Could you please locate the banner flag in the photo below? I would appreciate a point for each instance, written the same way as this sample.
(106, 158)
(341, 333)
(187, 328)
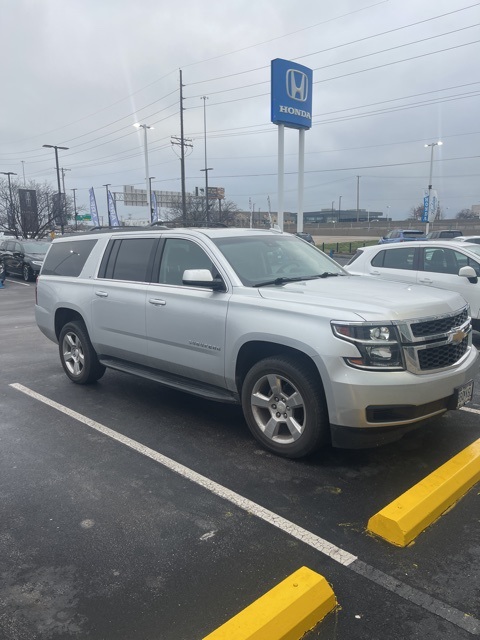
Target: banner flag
(93, 208)
(112, 211)
(154, 207)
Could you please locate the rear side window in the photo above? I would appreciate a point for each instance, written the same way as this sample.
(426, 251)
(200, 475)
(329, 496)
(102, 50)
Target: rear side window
(399, 258)
(128, 259)
(67, 258)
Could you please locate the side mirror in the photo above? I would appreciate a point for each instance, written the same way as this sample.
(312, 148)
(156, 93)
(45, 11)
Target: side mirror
(202, 278)
(470, 273)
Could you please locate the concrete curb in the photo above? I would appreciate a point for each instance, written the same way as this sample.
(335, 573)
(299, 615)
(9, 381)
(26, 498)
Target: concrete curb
(286, 612)
(402, 520)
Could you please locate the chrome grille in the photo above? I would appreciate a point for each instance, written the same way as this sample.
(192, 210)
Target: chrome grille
(443, 356)
(438, 325)
(436, 343)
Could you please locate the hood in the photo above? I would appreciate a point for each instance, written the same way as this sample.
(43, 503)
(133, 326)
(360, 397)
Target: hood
(367, 298)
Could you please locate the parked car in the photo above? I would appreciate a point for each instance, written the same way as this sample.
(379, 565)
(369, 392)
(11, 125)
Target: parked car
(444, 234)
(22, 257)
(305, 236)
(402, 235)
(446, 264)
(261, 318)
(474, 239)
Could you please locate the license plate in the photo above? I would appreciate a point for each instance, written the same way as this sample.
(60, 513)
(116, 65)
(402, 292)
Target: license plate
(464, 394)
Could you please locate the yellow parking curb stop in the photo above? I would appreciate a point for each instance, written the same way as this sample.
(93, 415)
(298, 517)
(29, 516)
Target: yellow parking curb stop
(402, 520)
(286, 612)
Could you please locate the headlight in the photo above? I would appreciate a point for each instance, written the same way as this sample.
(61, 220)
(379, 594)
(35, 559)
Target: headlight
(378, 345)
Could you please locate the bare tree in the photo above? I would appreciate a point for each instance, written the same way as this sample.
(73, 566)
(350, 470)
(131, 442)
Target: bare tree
(223, 211)
(465, 214)
(28, 226)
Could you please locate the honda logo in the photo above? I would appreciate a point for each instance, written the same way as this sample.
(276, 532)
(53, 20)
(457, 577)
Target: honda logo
(297, 85)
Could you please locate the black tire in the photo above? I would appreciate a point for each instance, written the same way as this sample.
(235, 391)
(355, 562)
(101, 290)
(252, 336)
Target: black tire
(284, 406)
(78, 357)
(27, 273)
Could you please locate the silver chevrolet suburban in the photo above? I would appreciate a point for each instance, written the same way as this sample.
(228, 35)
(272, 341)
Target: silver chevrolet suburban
(261, 318)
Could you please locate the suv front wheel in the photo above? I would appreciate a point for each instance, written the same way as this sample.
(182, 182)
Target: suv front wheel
(78, 357)
(284, 406)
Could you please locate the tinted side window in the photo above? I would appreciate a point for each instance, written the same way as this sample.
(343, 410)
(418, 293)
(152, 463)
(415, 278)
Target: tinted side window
(399, 258)
(129, 259)
(179, 255)
(378, 259)
(67, 258)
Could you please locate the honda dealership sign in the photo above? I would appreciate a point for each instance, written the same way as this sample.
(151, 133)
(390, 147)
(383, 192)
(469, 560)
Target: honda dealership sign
(291, 94)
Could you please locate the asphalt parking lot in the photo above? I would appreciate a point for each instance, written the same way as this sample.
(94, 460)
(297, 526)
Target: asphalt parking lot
(134, 512)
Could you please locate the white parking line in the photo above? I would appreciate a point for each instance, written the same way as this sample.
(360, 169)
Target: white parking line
(329, 549)
(455, 616)
(23, 284)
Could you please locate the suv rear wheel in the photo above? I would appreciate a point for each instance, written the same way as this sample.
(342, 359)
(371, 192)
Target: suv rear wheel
(78, 357)
(284, 406)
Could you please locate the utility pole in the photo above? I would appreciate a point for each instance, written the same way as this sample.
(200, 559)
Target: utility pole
(182, 142)
(10, 218)
(358, 197)
(75, 208)
(60, 202)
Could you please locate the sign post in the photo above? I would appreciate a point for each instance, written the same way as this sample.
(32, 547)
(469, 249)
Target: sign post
(291, 106)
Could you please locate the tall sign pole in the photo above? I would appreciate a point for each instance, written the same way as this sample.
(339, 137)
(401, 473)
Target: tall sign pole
(291, 107)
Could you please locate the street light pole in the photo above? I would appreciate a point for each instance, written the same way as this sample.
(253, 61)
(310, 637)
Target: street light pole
(147, 172)
(12, 217)
(207, 169)
(60, 203)
(432, 146)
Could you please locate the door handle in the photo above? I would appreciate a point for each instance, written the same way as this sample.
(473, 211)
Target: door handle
(158, 302)
(101, 294)
(425, 281)
(374, 273)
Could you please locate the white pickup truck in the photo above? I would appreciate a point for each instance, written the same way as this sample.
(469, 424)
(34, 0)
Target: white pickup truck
(313, 354)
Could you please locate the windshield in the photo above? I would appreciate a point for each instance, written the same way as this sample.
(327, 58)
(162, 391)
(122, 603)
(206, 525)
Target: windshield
(260, 259)
(36, 247)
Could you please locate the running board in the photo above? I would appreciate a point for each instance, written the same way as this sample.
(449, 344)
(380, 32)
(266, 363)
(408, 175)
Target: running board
(171, 380)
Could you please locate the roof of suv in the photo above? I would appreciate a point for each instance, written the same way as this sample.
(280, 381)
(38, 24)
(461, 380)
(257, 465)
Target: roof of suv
(211, 232)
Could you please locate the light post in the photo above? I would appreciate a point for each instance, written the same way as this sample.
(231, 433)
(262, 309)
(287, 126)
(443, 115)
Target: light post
(206, 169)
(10, 218)
(60, 203)
(145, 148)
(432, 146)
(108, 204)
(150, 196)
(75, 208)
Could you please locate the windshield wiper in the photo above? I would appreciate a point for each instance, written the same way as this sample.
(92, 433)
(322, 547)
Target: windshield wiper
(279, 281)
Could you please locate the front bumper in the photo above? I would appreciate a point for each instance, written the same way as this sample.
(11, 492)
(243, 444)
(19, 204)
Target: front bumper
(383, 405)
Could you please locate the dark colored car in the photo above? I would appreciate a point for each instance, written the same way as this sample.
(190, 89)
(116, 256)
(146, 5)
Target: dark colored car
(402, 235)
(444, 234)
(22, 257)
(305, 236)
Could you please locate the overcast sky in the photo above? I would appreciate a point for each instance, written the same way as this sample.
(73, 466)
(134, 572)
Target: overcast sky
(389, 77)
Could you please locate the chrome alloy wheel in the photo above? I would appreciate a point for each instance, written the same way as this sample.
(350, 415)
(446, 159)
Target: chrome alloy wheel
(72, 352)
(278, 409)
